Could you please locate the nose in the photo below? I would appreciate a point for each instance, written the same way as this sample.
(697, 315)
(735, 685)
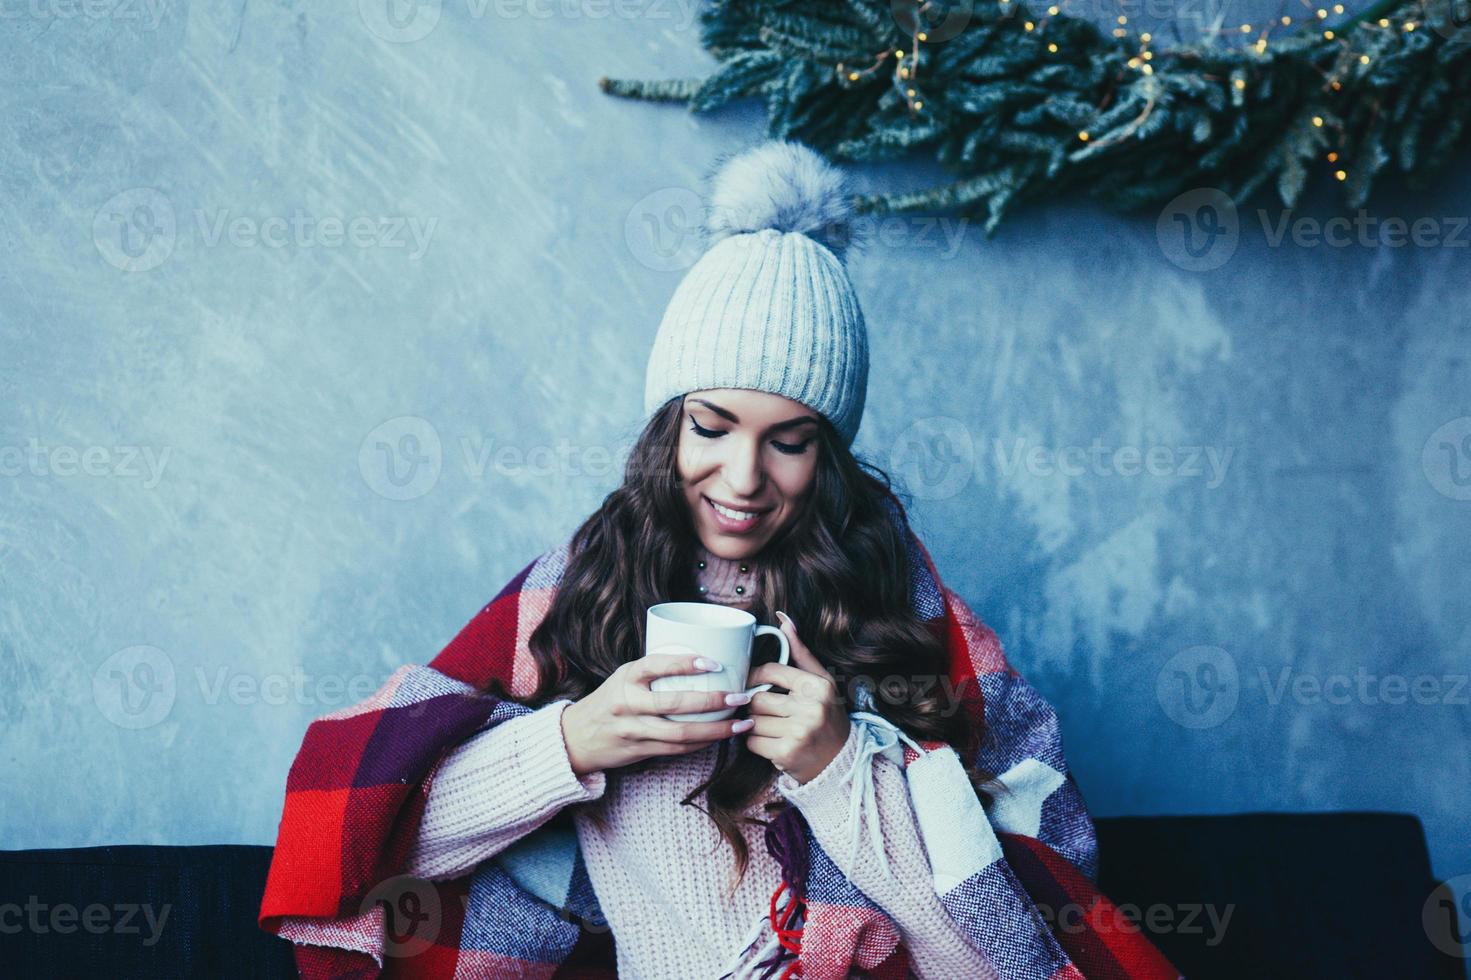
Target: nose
(743, 471)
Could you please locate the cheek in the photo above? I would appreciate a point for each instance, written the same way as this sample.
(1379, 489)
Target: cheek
(795, 475)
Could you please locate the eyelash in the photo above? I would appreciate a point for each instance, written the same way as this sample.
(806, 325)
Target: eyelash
(781, 447)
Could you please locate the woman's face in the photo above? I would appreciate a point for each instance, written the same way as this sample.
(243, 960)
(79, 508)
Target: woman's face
(748, 451)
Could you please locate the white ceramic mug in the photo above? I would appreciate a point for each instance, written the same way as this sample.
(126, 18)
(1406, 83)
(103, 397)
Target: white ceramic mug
(721, 633)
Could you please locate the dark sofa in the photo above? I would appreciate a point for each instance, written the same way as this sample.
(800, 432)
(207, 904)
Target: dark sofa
(1243, 896)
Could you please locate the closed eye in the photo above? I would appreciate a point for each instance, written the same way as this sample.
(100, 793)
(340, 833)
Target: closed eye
(783, 447)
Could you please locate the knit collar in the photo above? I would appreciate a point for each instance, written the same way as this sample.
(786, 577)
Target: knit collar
(729, 581)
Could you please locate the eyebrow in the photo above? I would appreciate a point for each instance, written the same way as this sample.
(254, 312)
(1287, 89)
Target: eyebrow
(731, 416)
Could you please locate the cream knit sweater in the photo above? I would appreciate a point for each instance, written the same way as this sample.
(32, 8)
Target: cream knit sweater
(660, 869)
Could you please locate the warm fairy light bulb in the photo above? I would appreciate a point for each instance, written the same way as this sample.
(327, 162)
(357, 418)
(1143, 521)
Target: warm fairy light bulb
(1363, 59)
(1286, 20)
(899, 54)
(1409, 25)
(1317, 120)
(1149, 69)
(1340, 175)
(922, 36)
(1241, 83)
(1119, 32)
(1123, 19)
(1383, 21)
(1333, 157)
(852, 76)
(1322, 14)
(1327, 35)
(1246, 28)
(1052, 11)
(1338, 8)
(1336, 84)
(903, 72)
(1147, 55)
(1133, 62)
(1052, 48)
(919, 105)
(1083, 136)
(1030, 26)
(1146, 37)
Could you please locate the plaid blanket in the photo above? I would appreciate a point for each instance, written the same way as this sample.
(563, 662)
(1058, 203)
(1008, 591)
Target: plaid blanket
(1017, 876)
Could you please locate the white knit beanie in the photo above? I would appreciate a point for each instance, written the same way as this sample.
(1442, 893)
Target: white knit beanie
(769, 306)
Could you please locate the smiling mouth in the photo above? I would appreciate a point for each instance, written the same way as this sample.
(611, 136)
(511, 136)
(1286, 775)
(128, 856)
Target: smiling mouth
(732, 519)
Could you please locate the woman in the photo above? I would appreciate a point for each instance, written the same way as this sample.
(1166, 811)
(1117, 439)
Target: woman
(740, 490)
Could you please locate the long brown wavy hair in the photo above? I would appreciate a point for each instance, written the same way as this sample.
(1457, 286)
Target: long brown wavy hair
(840, 569)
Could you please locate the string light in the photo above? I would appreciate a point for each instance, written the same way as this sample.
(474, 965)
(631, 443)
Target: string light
(1340, 175)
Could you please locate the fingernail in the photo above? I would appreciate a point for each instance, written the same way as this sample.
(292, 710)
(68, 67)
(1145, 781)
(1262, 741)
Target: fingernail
(705, 664)
(744, 725)
(784, 617)
(739, 697)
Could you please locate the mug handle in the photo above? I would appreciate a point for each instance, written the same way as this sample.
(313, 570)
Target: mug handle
(785, 658)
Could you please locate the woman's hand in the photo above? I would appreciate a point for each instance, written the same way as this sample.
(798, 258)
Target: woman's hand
(618, 724)
(800, 732)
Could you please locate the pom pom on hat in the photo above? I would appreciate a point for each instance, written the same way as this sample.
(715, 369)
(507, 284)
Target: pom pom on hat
(782, 185)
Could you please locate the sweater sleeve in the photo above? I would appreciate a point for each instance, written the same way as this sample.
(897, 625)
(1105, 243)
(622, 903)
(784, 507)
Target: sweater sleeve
(495, 788)
(937, 947)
